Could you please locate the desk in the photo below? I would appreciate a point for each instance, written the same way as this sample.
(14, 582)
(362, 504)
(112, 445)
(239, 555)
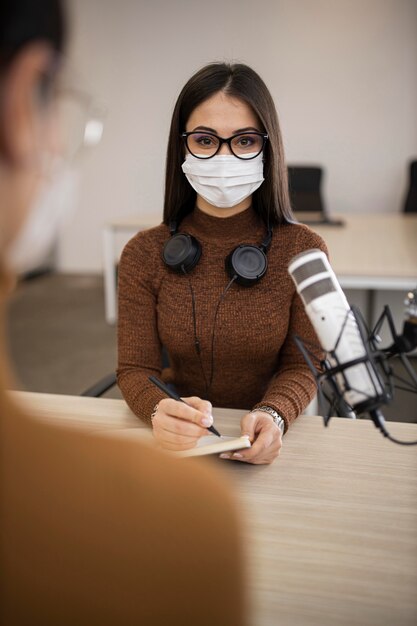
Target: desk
(371, 251)
(331, 526)
(128, 227)
(374, 251)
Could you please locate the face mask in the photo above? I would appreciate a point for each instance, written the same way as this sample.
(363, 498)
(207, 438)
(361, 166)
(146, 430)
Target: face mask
(54, 203)
(224, 180)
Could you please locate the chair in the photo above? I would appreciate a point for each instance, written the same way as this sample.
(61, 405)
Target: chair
(101, 386)
(305, 193)
(410, 205)
(108, 381)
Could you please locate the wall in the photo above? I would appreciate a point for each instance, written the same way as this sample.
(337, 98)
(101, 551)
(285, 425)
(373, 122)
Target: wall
(343, 74)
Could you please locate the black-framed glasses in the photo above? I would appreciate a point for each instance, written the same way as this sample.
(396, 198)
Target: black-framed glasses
(205, 145)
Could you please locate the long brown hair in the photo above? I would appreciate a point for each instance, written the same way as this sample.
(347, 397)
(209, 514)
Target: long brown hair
(271, 201)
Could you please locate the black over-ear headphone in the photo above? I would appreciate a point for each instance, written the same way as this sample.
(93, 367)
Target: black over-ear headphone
(246, 263)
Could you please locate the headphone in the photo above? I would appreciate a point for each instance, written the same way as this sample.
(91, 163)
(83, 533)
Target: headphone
(246, 264)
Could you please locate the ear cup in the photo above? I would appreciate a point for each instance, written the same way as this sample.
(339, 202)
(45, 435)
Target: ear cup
(181, 251)
(248, 263)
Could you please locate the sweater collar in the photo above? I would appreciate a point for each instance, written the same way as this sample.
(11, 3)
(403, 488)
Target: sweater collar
(242, 226)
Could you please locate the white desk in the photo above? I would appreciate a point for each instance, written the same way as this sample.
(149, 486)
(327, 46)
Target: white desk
(128, 227)
(331, 526)
(372, 251)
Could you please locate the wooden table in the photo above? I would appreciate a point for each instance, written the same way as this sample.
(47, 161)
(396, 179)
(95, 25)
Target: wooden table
(331, 526)
(371, 251)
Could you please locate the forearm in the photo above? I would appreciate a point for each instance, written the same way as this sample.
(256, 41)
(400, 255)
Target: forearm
(290, 392)
(140, 394)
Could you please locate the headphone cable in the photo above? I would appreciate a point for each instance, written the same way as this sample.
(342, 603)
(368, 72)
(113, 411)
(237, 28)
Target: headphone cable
(214, 330)
(196, 339)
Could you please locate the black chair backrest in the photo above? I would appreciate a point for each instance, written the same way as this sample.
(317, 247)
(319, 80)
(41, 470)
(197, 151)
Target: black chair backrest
(410, 204)
(305, 188)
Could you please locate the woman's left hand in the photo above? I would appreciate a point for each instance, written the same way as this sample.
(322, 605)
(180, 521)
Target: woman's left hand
(265, 436)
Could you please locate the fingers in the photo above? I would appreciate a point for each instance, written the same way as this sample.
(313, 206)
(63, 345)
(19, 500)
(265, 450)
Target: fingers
(177, 443)
(264, 449)
(178, 426)
(248, 424)
(204, 406)
(267, 440)
(196, 410)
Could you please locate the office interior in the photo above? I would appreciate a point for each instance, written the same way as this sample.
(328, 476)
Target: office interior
(343, 76)
(330, 526)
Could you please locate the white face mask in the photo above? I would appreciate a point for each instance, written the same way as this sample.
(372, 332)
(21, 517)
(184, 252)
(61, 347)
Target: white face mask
(51, 209)
(224, 180)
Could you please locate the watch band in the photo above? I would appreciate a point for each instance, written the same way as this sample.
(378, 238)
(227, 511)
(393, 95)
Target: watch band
(278, 420)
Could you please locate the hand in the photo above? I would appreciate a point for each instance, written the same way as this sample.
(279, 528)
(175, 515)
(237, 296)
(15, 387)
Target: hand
(177, 426)
(265, 436)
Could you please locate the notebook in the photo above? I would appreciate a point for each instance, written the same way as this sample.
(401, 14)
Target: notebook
(211, 444)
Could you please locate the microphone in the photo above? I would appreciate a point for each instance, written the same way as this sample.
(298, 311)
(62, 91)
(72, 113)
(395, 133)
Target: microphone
(356, 371)
(338, 331)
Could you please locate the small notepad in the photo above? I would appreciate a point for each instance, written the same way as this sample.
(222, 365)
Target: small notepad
(216, 445)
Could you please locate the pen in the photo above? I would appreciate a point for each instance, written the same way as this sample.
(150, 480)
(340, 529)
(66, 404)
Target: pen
(175, 396)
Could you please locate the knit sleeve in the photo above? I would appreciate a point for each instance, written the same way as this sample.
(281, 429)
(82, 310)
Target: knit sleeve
(293, 386)
(139, 347)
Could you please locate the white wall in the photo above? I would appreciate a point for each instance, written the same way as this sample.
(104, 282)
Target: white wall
(343, 74)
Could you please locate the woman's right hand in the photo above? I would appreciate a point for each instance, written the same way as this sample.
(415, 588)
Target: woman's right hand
(177, 426)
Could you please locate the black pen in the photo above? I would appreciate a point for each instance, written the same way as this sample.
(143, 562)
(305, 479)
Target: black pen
(175, 396)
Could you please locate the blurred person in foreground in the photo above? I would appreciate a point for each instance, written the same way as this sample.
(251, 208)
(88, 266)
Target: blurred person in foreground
(94, 529)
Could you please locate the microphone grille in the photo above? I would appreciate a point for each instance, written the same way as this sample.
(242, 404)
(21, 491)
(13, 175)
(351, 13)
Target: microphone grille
(308, 269)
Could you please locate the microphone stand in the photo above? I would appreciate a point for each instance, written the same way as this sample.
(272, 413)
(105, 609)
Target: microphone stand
(326, 374)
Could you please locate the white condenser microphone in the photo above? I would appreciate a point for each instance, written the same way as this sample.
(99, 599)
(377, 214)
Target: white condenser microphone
(338, 331)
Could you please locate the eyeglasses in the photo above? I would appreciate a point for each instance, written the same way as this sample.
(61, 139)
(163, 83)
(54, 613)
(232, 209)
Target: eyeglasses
(204, 145)
(77, 119)
(81, 121)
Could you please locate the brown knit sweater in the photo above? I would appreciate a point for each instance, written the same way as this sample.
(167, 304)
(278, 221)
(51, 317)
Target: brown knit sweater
(255, 360)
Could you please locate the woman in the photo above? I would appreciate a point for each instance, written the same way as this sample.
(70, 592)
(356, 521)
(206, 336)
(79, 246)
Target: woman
(226, 314)
(95, 529)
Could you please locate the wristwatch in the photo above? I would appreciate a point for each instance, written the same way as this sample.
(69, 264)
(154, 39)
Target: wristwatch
(278, 420)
